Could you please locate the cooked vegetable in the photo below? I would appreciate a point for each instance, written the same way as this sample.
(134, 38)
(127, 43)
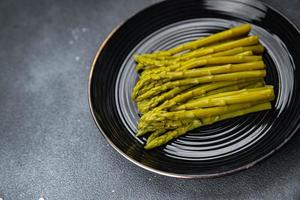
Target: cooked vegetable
(199, 83)
(241, 96)
(204, 79)
(224, 35)
(163, 139)
(153, 63)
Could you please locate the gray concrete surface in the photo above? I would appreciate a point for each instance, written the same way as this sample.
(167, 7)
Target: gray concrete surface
(49, 144)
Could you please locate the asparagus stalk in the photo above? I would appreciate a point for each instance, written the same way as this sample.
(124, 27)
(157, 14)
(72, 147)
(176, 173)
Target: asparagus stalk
(236, 51)
(168, 76)
(204, 79)
(152, 63)
(205, 71)
(250, 40)
(256, 49)
(196, 91)
(140, 85)
(153, 56)
(163, 139)
(153, 102)
(233, 90)
(193, 63)
(237, 92)
(146, 106)
(165, 125)
(145, 79)
(196, 113)
(154, 135)
(248, 85)
(228, 98)
(150, 86)
(221, 36)
(216, 61)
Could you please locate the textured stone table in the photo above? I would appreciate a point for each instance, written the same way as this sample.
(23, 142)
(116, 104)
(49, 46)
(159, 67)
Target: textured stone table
(49, 144)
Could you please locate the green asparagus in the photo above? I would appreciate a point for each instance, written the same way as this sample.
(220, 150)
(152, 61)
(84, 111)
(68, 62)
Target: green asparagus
(224, 35)
(163, 139)
(199, 83)
(241, 96)
(204, 79)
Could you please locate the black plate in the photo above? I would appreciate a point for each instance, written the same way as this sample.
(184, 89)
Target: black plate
(215, 150)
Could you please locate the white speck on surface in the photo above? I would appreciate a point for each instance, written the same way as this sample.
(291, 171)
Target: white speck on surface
(71, 42)
(113, 191)
(77, 58)
(149, 179)
(84, 30)
(1, 198)
(75, 37)
(41, 198)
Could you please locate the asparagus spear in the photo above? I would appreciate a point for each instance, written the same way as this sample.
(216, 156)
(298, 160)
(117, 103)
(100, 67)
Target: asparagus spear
(248, 85)
(149, 86)
(250, 40)
(204, 79)
(237, 92)
(144, 79)
(146, 106)
(221, 36)
(233, 90)
(228, 98)
(155, 134)
(196, 91)
(180, 66)
(146, 61)
(216, 61)
(142, 86)
(256, 49)
(163, 139)
(173, 57)
(236, 51)
(165, 125)
(205, 71)
(153, 56)
(196, 113)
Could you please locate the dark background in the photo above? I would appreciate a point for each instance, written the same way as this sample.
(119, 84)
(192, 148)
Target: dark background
(49, 144)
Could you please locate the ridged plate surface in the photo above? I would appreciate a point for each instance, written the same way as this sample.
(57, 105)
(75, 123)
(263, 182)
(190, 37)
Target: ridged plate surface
(214, 150)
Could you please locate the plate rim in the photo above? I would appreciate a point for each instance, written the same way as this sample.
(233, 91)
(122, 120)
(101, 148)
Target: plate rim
(161, 172)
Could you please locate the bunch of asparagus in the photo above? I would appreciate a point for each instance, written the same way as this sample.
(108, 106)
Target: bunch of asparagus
(199, 83)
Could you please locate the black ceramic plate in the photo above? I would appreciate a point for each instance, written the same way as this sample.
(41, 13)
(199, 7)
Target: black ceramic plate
(215, 150)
